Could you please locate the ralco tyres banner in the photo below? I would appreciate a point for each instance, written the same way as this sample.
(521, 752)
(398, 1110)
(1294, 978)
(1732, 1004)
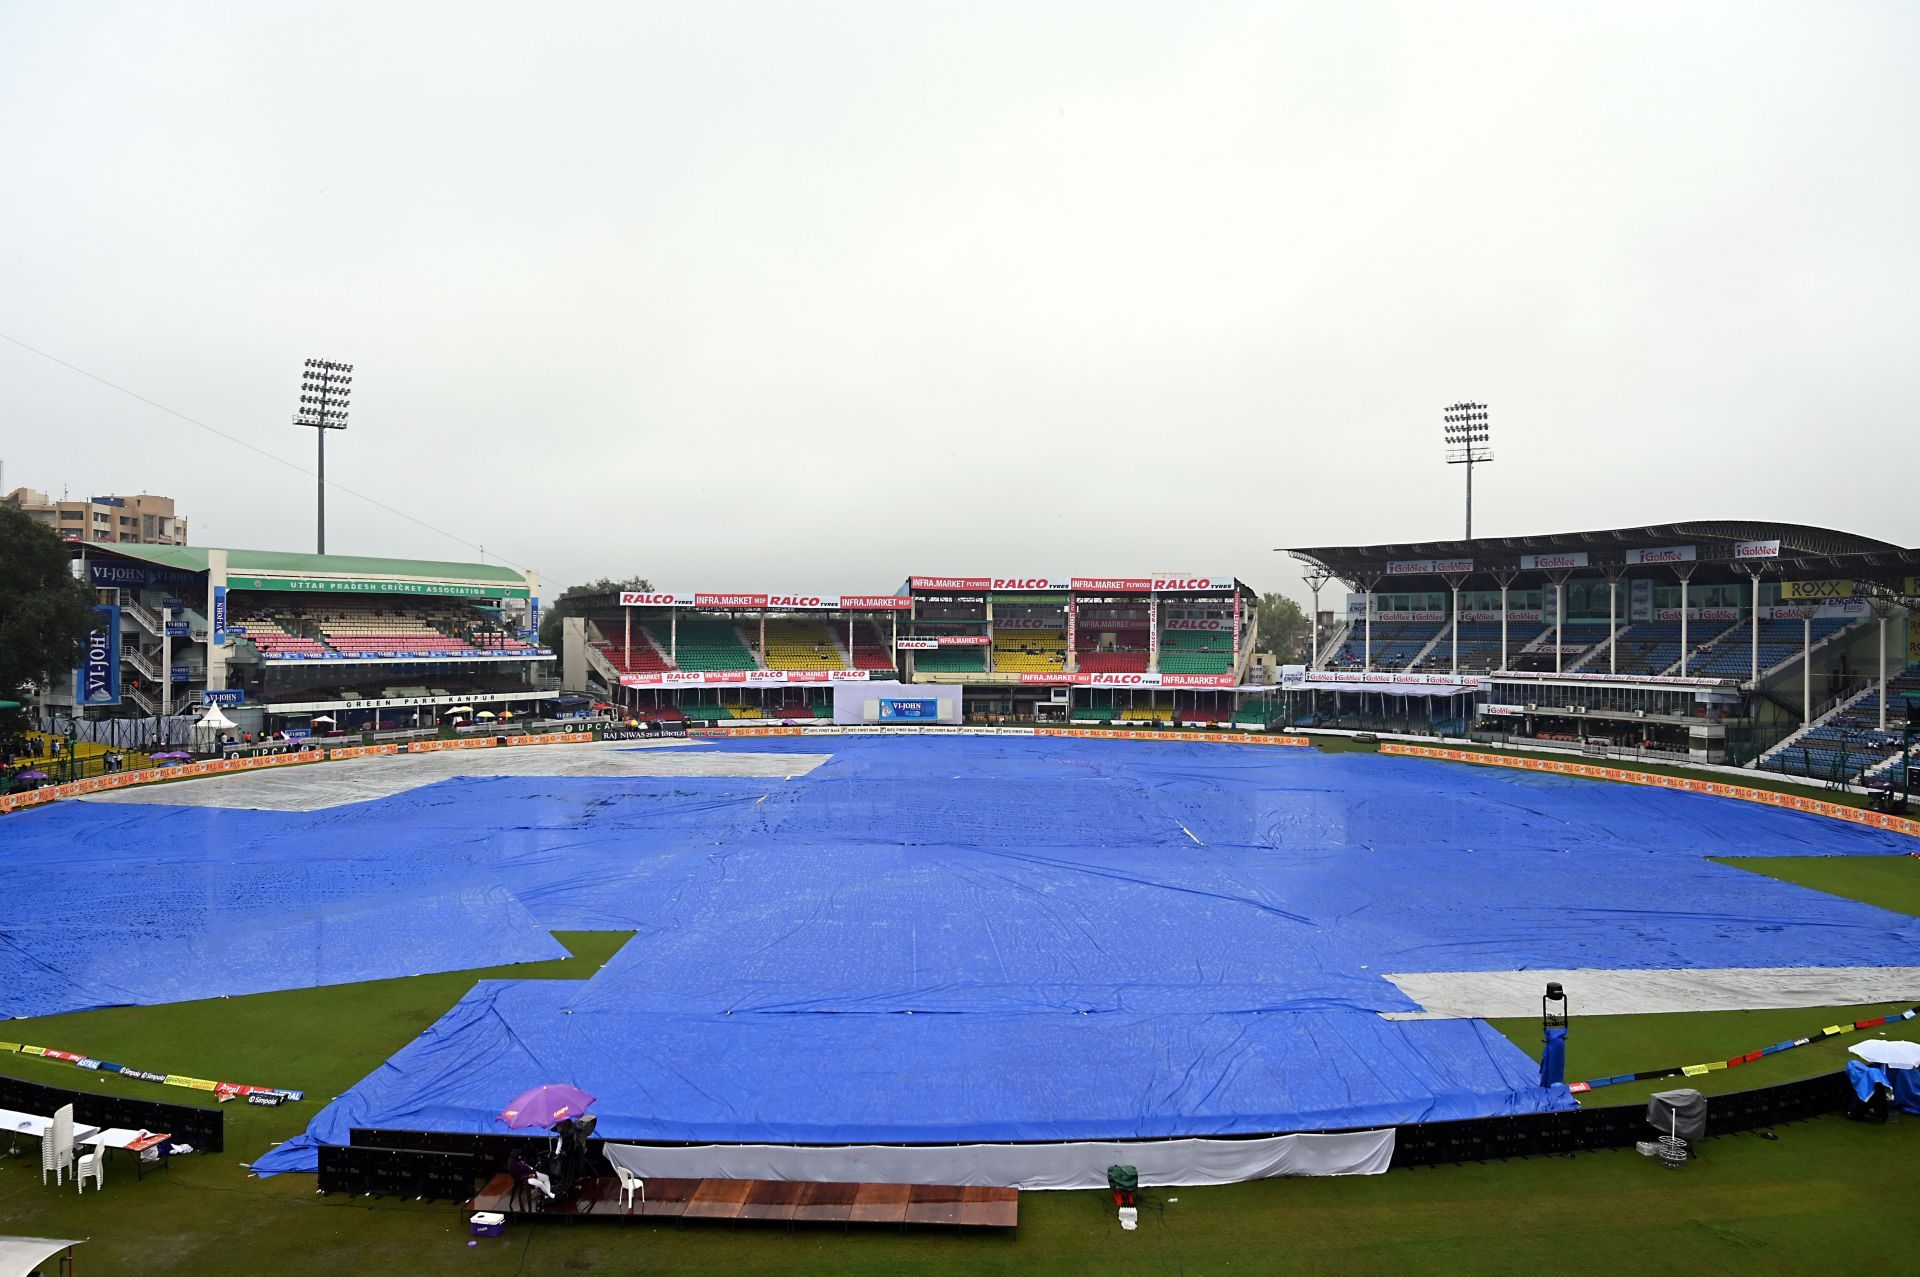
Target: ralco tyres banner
(1129, 680)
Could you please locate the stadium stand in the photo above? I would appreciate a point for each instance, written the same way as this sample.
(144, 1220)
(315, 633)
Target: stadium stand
(708, 644)
(273, 639)
(1404, 644)
(1480, 643)
(1578, 639)
(1258, 713)
(1395, 644)
(1850, 741)
(797, 644)
(1196, 652)
(648, 656)
(951, 660)
(382, 631)
(1648, 647)
(871, 650)
(1113, 662)
(1029, 651)
(1731, 654)
(1112, 649)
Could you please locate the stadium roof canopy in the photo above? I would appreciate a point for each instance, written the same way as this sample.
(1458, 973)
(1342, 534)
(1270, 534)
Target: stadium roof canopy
(193, 558)
(1712, 550)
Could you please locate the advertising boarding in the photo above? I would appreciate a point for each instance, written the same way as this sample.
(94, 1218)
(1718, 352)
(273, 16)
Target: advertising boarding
(97, 681)
(920, 709)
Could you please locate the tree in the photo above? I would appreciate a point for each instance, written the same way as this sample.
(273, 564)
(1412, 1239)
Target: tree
(44, 613)
(576, 600)
(1284, 628)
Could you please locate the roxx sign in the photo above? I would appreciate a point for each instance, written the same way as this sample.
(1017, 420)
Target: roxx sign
(1796, 590)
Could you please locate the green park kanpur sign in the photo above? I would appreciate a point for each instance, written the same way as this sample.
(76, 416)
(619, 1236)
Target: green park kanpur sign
(343, 585)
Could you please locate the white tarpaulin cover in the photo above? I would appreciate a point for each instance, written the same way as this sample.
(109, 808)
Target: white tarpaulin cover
(1895, 1055)
(1473, 995)
(20, 1256)
(1162, 1163)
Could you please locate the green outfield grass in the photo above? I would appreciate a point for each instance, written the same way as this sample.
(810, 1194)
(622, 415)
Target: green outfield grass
(1892, 882)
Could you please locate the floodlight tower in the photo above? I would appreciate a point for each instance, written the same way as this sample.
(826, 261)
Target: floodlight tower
(1468, 444)
(325, 387)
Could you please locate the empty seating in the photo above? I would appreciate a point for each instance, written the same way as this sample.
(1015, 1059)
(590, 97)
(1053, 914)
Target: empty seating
(1029, 651)
(1730, 654)
(871, 650)
(950, 660)
(1111, 648)
(1648, 647)
(1395, 645)
(800, 644)
(274, 640)
(1480, 644)
(1196, 652)
(709, 644)
(645, 656)
(373, 631)
(1112, 662)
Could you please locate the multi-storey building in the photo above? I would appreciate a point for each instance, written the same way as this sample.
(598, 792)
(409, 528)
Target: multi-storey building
(140, 519)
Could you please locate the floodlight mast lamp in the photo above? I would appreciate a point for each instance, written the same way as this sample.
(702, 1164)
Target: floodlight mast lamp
(1468, 444)
(325, 387)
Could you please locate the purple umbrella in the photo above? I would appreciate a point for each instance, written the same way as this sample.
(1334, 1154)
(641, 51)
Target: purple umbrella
(171, 754)
(35, 774)
(546, 1106)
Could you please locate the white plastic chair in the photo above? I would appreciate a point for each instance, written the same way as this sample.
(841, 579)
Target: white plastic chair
(49, 1158)
(94, 1163)
(628, 1183)
(56, 1147)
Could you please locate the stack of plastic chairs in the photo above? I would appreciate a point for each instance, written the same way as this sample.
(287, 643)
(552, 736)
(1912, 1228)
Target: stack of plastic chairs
(56, 1147)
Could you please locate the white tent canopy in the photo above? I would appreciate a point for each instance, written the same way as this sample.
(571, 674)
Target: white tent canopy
(1895, 1055)
(21, 1256)
(214, 720)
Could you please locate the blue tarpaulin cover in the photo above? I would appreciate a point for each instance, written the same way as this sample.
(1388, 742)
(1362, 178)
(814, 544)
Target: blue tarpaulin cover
(1866, 1078)
(947, 939)
(1003, 939)
(106, 905)
(1553, 1056)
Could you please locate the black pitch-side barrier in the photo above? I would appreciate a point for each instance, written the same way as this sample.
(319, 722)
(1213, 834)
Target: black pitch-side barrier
(445, 1166)
(202, 1128)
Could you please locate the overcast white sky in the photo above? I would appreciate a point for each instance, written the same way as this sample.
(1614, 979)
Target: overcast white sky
(810, 296)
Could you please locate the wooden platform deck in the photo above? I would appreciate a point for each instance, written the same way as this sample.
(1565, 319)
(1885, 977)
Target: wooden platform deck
(771, 1201)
